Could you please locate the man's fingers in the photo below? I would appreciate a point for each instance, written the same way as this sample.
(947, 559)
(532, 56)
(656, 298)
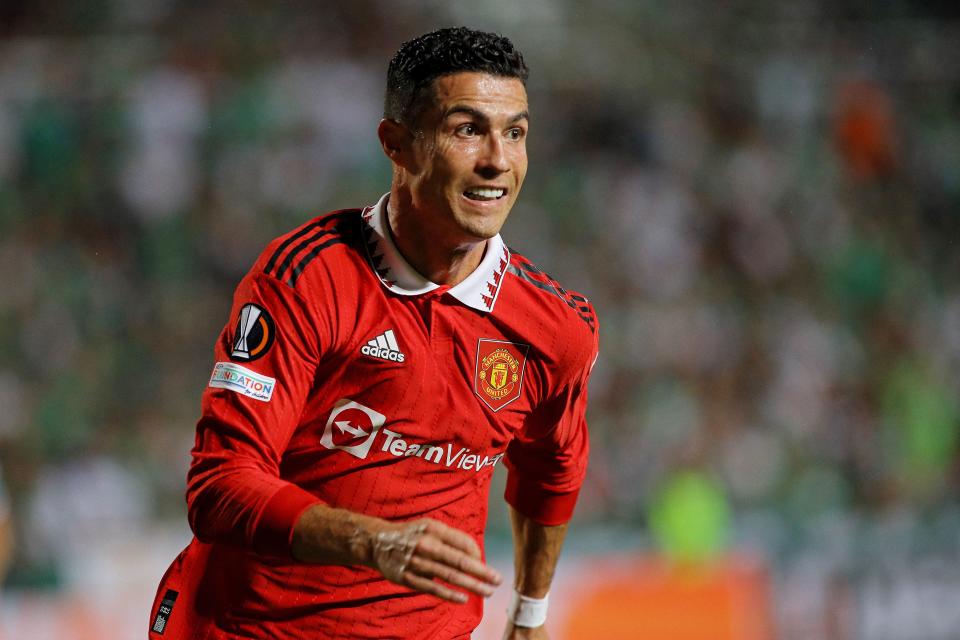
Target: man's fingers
(429, 568)
(434, 588)
(433, 549)
(454, 537)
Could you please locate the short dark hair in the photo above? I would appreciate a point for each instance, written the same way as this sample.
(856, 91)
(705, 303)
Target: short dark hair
(420, 61)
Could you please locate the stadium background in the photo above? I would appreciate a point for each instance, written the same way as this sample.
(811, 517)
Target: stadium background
(761, 199)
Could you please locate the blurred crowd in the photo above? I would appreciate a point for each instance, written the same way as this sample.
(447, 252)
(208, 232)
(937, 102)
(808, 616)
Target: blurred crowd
(761, 199)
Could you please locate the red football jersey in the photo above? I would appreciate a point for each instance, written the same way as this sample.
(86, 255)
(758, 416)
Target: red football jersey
(346, 378)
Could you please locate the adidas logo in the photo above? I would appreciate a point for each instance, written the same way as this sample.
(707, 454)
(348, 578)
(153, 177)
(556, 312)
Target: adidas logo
(384, 347)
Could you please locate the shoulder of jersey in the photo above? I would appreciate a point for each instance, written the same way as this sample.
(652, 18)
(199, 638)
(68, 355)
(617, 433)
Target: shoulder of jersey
(290, 255)
(540, 283)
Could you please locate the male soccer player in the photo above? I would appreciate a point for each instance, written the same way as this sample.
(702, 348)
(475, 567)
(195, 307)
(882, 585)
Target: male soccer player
(378, 364)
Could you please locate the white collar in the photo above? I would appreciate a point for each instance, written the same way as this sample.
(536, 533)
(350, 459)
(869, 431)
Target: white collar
(479, 290)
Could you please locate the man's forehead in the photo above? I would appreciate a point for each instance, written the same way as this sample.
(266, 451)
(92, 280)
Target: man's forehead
(498, 95)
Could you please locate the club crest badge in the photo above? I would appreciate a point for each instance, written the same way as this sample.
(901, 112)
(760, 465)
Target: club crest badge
(254, 333)
(499, 373)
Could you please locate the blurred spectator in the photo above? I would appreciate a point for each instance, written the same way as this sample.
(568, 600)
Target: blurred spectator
(6, 530)
(864, 130)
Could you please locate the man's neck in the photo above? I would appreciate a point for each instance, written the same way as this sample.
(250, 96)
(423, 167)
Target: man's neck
(439, 261)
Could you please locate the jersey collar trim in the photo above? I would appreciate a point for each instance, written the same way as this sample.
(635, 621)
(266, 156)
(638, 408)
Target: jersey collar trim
(479, 290)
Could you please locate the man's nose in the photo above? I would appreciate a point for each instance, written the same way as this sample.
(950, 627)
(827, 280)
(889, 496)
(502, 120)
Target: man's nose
(493, 161)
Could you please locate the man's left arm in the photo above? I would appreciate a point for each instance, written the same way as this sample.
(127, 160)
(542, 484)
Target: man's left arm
(536, 549)
(546, 465)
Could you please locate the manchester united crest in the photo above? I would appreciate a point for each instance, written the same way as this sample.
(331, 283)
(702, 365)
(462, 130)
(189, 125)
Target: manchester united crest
(499, 375)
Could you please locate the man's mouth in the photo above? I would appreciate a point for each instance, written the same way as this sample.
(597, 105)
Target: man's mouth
(484, 194)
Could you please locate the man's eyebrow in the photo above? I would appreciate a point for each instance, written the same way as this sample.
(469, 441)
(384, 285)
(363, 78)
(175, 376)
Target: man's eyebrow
(480, 115)
(523, 115)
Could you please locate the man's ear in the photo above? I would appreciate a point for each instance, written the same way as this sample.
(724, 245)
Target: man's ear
(395, 140)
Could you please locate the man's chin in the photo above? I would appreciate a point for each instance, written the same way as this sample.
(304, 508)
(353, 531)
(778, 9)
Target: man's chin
(481, 232)
(482, 226)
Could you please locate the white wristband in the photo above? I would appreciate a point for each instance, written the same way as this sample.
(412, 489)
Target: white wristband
(527, 612)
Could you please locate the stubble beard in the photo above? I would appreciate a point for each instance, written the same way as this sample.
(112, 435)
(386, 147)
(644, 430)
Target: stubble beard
(479, 228)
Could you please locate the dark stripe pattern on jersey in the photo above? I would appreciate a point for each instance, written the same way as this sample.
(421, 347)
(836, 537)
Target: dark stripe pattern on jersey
(336, 228)
(528, 272)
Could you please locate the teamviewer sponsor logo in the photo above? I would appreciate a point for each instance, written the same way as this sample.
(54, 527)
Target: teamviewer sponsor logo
(352, 427)
(384, 347)
(443, 454)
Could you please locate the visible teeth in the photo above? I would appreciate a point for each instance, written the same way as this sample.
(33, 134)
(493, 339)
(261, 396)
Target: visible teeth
(486, 193)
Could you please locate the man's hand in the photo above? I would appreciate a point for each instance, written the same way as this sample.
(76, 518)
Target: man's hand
(417, 554)
(424, 555)
(514, 632)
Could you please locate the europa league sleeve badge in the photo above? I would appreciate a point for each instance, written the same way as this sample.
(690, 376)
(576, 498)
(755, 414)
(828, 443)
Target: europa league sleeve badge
(254, 333)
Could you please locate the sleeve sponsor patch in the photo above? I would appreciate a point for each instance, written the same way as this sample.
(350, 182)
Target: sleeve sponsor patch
(227, 375)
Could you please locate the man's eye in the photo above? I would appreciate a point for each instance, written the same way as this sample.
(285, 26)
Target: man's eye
(515, 134)
(466, 130)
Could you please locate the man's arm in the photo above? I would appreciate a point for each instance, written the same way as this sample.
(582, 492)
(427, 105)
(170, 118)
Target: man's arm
(536, 549)
(414, 554)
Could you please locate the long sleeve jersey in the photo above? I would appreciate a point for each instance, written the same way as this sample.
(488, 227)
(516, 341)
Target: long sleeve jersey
(345, 378)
